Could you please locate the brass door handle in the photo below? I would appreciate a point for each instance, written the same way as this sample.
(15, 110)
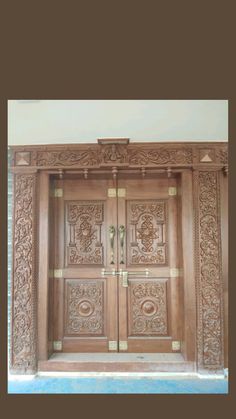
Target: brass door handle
(122, 237)
(112, 232)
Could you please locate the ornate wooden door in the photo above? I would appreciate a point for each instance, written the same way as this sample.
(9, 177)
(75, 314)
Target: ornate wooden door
(85, 312)
(116, 285)
(149, 295)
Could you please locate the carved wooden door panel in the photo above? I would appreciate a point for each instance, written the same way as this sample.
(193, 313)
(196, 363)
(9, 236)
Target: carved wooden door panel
(85, 309)
(149, 296)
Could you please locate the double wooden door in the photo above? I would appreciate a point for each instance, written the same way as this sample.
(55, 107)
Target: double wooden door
(116, 282)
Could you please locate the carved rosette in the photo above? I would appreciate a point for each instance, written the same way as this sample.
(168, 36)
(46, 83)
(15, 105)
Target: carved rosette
(24, 281)
(84, 230)
(209, 272)
(84, 308)
(147, 238)
(148, 308)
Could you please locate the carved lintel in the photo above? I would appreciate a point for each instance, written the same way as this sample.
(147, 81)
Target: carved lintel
(23, 348)
(118, 152)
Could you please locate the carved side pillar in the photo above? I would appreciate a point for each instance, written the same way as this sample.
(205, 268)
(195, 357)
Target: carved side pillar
(209, 284)
(23, 342)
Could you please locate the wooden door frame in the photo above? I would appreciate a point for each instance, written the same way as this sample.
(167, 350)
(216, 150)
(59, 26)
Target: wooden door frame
(202, 167)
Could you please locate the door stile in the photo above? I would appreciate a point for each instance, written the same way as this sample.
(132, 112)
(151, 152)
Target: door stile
(43, 274)
(175, 326)
(58, 265)
(122, 291)
(112, 294)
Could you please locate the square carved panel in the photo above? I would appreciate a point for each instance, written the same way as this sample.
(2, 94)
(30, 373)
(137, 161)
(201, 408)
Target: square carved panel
(148, 308)
(84, 307)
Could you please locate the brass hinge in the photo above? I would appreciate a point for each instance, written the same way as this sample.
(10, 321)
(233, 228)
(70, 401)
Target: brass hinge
(58, 192)
(112, 345)
(123, 345)
(172, 191)
(57, 345)
(175, 345)
(174, 272)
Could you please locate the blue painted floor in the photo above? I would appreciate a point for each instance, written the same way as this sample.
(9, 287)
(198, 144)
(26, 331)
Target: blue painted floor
(117, 385)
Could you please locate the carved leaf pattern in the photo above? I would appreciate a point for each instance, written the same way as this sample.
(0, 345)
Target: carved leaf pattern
(110, 154)
(85, 221)
(161, 156)
(85, 311)
(23, 328)
(148, 308)
(223, 156)
(89, 157)
(210, 271)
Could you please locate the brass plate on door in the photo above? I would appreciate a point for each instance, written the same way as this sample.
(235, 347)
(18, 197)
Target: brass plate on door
(112, 345)
(121, 192)
(123, 345)
(111, 192)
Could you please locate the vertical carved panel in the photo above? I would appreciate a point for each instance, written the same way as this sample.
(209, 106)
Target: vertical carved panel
(148, 309)
(84, 308)
(84, 231)
(209, 271)
(147, 232)
(24, 281)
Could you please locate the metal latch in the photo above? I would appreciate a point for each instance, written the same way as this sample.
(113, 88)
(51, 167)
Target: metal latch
(125, 279)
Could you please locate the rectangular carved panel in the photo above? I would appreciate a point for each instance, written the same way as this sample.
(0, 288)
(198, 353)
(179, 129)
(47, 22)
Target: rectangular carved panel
(84, 307)
(84, 223)
(147, 224)
(23, 349)
(209, 271)
(148, 308)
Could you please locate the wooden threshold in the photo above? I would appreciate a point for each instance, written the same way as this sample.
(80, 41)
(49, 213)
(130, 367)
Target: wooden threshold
(117, 362)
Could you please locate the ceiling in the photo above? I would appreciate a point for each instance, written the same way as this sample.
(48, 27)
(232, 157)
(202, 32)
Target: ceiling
(78, 121)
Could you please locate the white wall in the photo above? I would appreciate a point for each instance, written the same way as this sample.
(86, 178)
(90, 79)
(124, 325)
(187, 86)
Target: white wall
(76, 121)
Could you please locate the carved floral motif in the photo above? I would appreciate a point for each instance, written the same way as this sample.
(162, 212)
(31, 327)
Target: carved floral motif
(89, 157)
(85, 221)
(85, 311)
(223, 155)
(148, 308)
(210, 338)
(161, 156)
(147, 224)
(23, 304)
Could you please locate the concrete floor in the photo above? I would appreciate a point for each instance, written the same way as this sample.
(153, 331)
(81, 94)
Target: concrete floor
(118, 385)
